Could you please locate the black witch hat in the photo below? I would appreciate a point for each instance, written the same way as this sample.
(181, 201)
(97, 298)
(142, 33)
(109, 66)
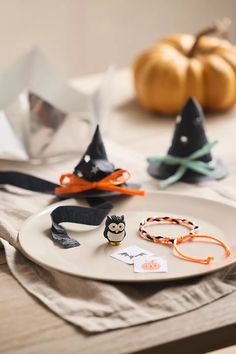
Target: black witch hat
(189, 137)
(94, 164)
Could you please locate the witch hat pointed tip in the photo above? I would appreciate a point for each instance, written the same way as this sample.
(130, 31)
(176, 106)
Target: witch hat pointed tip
(192, 108)
(97, 142)
(192, 100)
(95, 150)
(96, 132)
(97, 129)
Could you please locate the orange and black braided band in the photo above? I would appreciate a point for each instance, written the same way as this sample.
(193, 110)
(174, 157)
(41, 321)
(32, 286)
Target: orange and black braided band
(191, 226)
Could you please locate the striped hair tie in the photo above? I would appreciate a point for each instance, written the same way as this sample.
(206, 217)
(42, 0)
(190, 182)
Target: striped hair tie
(191, 226)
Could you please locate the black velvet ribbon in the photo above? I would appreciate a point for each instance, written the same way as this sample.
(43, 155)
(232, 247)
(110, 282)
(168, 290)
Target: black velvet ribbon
(26, 181)
(93, 215)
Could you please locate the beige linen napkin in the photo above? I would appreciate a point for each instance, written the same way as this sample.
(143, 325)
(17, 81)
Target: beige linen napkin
(97, 306)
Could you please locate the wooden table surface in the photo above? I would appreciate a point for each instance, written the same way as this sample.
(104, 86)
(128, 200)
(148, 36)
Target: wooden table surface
(28, 327)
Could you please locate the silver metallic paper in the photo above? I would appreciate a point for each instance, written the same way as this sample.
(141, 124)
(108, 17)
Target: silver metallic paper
(41, 116)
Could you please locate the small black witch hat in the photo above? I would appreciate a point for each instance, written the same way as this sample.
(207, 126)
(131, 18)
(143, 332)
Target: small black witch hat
(94, 164)
(189, 155)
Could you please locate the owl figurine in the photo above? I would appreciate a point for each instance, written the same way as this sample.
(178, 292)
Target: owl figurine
(115, 229)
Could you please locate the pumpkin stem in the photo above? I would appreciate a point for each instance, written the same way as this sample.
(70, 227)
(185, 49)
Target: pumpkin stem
(220, 27)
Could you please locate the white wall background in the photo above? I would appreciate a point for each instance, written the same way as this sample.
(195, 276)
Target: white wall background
(84, 36)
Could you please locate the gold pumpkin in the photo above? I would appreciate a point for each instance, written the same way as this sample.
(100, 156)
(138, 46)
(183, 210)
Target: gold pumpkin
(182, 65)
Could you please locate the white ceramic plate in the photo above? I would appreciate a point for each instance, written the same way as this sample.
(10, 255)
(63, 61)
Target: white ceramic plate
(92, 259)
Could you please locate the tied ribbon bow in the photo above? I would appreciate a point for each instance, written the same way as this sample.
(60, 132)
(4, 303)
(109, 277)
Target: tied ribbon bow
(74, 184)
(191, 162)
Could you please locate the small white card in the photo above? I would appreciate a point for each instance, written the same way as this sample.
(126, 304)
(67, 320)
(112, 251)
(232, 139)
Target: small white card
(150, 264)
(129, 254)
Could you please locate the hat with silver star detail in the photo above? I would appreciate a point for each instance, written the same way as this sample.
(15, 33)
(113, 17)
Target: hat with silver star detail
(94, 164)
(189, 137)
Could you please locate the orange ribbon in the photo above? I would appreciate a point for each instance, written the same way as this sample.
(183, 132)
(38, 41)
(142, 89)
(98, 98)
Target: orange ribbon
(74, 184)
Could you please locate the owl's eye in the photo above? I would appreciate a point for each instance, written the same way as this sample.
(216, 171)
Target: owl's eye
(121, 226)
(112, 226)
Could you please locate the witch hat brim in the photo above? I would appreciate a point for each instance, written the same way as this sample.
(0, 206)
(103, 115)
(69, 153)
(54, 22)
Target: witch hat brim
(162, 171)
(96, 193)
(189, 136)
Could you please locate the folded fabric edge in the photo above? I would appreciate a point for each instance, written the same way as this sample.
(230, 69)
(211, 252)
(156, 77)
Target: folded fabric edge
(216, 287)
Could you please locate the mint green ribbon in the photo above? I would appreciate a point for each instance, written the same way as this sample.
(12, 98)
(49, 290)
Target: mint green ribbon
(191, 162)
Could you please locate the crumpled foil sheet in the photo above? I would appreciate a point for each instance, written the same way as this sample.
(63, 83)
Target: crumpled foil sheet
(41, 116)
